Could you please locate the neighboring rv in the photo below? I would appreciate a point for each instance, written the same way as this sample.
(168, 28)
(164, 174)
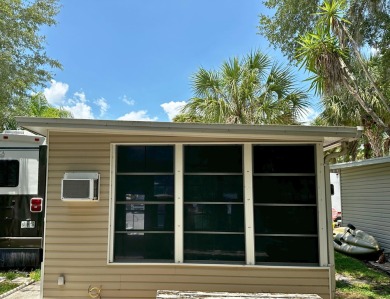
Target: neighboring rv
(22, 193)
(336, 199)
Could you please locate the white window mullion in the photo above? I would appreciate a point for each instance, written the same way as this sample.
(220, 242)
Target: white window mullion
(111, 234)
(248, 206)
(321, 207)
(179, 203)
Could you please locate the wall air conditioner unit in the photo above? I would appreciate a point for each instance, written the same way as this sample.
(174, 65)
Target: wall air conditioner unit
(80, 186)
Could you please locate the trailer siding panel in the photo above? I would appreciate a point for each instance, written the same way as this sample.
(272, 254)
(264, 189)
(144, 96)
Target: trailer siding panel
(365, 200)
(76, 243)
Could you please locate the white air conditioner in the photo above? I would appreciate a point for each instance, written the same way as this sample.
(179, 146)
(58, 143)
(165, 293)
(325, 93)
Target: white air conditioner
(80, 186)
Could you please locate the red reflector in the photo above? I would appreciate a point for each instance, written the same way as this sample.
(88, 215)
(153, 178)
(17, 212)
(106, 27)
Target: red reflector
(5, 137)
(36, 139)
(36, 201)
(36, 204)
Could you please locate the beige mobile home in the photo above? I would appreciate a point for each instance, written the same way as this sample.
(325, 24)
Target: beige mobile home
(136, 207)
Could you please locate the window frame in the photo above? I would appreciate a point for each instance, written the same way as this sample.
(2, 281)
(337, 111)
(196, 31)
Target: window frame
(281, 204)
(17, 168)
(216, 174)
(249, 232)
(145, 173)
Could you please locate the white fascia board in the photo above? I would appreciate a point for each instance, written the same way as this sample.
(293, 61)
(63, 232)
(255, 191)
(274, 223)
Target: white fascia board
(329, 135)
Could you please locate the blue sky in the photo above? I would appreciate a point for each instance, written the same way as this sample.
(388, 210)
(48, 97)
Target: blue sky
(133, 59)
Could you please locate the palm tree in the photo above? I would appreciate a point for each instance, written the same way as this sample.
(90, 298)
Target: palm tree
(331, 16)
(340, 109)
(34, 105)
(38, 106)
(325, 54)
(251, 90)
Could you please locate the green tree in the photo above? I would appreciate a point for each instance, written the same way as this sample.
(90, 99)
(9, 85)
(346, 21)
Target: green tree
(369, 23)
(38, 106)
(35, 105)
(24, 64)
(321, 54)
(352, 88)
(326, 54)
(252, 90)
(340, 109)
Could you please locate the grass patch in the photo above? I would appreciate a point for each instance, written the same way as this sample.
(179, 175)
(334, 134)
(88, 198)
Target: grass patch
(6, 286)
(362, 282)
(12, 274)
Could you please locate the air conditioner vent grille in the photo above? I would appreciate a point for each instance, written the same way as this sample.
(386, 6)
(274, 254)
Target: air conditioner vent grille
(80, 186)
(76, 188)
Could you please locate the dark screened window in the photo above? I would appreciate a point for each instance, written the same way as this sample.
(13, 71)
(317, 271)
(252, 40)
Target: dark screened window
(214, 217)
(283, 159)
(9, 173)
(214, 247)
(213, 204)
(143, 247)
(285, 204)
(284, 189)
(216, 188)
(286, 219)
(213, 159)
(144, 188)
(145, 159)
(286, 250)
(144, 209)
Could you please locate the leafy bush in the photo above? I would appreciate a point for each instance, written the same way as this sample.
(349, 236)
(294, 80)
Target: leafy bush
(35, 275)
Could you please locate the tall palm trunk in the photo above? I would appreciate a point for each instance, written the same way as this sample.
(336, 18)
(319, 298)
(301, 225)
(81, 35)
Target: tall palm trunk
(349, 81)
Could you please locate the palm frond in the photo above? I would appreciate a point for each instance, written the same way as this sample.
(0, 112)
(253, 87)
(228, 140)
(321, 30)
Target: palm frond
(259, 62)
(249, 90)
(205, 83)
(320, 54)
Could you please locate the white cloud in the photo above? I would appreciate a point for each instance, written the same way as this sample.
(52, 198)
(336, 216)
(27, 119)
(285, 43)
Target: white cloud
(102, 103)
(80, 110)
(137, 116)
(78, 106)
(172, 108)
(55, 94)
(81, 96)
(128, 101)
(308, 116)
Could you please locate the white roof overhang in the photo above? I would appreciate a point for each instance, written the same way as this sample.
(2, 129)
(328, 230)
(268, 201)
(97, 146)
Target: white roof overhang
(330, 136)
(373, 161)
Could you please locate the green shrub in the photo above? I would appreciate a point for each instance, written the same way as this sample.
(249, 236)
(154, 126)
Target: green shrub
(35, 275)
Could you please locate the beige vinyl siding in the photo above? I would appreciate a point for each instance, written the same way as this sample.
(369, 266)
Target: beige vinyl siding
(142, 281)
(365, 200)
(76, 242)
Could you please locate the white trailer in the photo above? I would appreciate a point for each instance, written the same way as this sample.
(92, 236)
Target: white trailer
(22, 193)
